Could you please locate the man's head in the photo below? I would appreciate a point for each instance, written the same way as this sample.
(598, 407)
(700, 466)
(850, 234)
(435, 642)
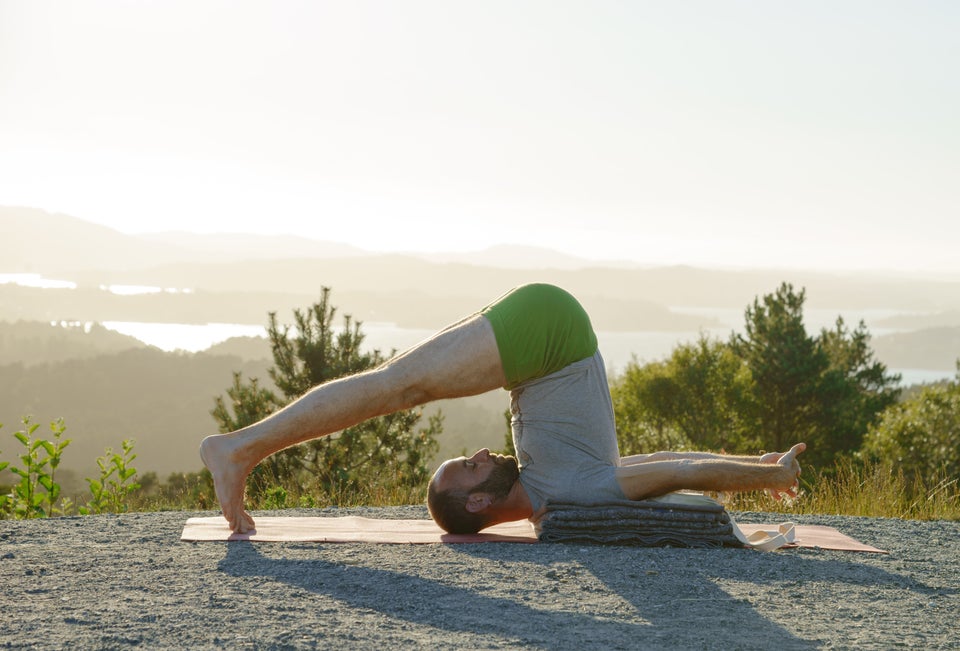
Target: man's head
(464, 492)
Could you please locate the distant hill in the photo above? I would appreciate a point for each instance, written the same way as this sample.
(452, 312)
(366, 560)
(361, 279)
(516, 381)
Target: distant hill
(947, 319)
(234, 278)
(513, 256)
(32, 342)
(231, 247)
(161, 400)
(37, 241)
(246, 348)
(72, 245)
(49, 243)
(930, 348)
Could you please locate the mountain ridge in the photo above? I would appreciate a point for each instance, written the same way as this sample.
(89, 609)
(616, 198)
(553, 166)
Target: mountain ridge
(395, 287)
(24, 225)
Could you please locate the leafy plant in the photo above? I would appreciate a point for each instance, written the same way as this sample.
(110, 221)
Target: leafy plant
(275, 498)
(920, 433)
(116, 482)
(36, 492)
(697, 399)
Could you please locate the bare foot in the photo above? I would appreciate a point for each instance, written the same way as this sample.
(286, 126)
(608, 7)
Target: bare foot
(229, 479)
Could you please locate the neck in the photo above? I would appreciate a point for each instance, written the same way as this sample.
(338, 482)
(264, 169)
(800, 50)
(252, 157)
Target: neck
(515, 506)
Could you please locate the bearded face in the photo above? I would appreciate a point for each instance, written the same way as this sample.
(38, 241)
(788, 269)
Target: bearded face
(504, 475)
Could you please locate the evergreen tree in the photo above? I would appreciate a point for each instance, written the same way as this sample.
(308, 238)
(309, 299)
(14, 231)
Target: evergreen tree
(823, 390)
(856, 387)
(768, 388)
(785, 366)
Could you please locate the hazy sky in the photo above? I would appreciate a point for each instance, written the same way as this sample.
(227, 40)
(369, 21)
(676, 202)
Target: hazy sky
(804, 134)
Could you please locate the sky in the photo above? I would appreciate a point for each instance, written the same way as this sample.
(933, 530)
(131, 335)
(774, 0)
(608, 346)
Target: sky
(816, 135)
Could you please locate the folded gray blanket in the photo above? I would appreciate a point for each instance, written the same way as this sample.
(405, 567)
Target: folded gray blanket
(678, 520)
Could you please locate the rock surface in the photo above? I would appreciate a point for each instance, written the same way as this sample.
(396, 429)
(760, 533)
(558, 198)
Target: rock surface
(117, 582)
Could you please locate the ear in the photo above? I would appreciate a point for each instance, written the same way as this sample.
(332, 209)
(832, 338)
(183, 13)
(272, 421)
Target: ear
(478, 502)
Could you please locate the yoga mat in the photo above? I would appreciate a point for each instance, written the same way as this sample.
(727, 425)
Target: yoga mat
(373, 530)
(351, 529)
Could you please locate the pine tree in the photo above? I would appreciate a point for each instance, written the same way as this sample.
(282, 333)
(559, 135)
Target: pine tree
(785, 365)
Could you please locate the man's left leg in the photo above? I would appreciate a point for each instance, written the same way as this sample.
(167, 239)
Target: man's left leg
(461, 360)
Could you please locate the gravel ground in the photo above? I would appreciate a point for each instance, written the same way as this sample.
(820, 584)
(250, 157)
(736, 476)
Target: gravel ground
(119, 582)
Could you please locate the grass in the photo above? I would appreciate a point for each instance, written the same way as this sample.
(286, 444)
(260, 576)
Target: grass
(876, 490)
(850, 488)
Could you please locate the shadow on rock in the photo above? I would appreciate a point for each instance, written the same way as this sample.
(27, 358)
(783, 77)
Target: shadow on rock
(428, 602)
(683, 606)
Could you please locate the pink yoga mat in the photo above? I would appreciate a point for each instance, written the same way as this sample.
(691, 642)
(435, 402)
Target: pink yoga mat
(372, 530)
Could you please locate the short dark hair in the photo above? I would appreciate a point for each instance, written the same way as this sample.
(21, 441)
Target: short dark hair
(449, 510)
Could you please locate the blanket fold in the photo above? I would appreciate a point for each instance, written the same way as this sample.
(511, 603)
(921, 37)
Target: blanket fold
(679, 520)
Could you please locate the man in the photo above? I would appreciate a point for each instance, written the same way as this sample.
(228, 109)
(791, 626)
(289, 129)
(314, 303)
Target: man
(536, 341)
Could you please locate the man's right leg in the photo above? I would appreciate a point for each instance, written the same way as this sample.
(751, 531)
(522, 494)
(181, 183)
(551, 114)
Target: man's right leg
(461, 360)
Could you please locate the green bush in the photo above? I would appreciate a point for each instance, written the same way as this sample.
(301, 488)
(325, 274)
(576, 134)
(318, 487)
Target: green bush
(36, 492)
(116, 482)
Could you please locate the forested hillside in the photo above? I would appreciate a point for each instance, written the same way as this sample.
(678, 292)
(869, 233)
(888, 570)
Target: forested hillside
(36, 342)
(109, 388)
(162, 400)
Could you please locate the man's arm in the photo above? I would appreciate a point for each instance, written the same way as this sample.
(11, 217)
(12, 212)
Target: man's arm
(655, 477)
(677, 456)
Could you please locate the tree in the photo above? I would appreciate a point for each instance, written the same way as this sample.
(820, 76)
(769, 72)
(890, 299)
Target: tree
(768, 388)
(824, 390)
(694, 399)
(385, 450)
(248, 403)
(714, 396)
(785, 366)
(643, 398)
(921, 434)
(856, 387)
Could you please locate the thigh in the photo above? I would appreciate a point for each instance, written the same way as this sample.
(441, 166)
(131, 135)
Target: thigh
(461, 360)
